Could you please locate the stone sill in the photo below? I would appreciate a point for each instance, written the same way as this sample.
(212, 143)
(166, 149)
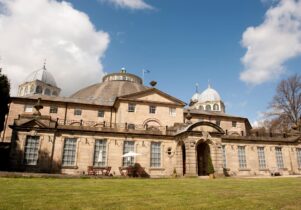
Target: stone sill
(244, 169)
(264, 169)
(69, 167)
(156, 169)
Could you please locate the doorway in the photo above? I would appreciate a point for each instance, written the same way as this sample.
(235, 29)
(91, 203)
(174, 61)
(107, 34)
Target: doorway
(184, 158)
(203, 153)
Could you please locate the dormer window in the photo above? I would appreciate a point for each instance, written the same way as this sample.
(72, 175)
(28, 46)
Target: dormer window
(208, 108)
(131, 107)
(152, 109)
(215, 107)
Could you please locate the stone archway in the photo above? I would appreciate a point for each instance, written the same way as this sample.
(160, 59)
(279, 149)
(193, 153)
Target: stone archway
(203, 153)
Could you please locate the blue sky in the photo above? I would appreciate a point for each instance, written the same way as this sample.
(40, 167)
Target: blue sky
(182, 43)
(244, 48)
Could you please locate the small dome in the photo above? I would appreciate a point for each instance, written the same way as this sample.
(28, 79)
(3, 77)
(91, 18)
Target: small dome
(209, 95)
(195, 97)
(42, 75)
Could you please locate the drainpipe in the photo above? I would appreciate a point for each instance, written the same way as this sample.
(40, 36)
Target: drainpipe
(65, 118)
(5, 123)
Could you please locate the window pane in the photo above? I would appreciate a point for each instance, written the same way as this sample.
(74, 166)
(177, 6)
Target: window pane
(53, 109)
(31, 150)
(261, 157)
(131, 107)
(155, 154)
(152, 109)
(101, 113)
(279, 158)
(242, 157)
(128, 147)
(69, 152)
(172, 112)
(100, 152)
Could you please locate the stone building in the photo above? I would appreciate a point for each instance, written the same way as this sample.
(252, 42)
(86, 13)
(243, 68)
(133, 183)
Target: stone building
(97, 125)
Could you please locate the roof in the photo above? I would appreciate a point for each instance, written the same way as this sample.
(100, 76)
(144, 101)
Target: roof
(42, 75)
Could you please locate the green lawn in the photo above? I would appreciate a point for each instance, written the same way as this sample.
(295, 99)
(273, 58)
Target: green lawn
(190, 193)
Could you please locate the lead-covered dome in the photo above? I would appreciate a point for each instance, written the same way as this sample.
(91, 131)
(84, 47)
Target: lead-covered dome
(42, 75)
(112, 86)
(209, 95)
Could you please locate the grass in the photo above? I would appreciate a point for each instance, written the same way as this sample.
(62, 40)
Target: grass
(189, 193)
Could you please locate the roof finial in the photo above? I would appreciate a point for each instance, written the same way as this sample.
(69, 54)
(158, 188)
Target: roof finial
(209, 86)
(44, 65)
(196, 87)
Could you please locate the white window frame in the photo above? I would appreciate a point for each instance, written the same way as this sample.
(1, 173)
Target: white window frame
(127, 147)
(242, 161)
(261, 158)
(152, 109)
(279, 157)
(100, 145)
(69, 152)
(31, 150)
(172, 111)
(131, 107)
(28, 108)
(155, 159)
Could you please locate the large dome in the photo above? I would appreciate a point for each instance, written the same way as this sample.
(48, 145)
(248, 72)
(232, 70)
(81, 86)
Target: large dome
(113, 85)
(42, 75)
(209, 95)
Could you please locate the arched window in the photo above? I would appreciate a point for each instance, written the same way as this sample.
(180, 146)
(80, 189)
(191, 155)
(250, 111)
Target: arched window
(47, 92)
(54, 93)
(215, 107)
(208, 108)
(201, 107)
(39, 89)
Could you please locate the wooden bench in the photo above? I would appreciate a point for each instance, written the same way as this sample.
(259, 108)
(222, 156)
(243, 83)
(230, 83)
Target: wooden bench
(96, 171)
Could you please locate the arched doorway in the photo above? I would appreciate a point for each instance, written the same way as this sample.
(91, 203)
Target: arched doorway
(203, 153)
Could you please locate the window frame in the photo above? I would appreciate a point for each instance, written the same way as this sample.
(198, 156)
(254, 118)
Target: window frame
(77, 112)
(97, 148)
(234, 124)
(279, 157)
(53, 109)
(242, 160)
(155, 155)
(172, 111)
(131, 107)
(261, 158)
(102, 115)
(128, 146)
(71, 158)
(152, 109)
(32, 152)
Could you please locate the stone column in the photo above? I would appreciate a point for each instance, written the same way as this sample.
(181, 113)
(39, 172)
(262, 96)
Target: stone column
(191, 162)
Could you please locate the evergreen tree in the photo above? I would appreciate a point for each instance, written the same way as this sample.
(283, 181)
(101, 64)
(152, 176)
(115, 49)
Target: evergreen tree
(4, 98)
(210, 168)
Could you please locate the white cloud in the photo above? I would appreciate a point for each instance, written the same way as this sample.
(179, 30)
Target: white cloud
(31, 32)
(131, 4)
(272, 43)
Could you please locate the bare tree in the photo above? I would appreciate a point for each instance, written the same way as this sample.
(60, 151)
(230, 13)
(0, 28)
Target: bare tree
(286, 104)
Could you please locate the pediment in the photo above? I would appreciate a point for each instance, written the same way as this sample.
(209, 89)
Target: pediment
(32, 123)
(153, 95)
(206, 127)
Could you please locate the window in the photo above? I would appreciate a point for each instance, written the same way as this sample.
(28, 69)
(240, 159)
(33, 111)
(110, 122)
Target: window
(77, 111)
(47, 92)
(155, 154)
(218, 122)
(69, 152)
(101, 113)
(208, 108)
(31, 150)
(172, 112)
(53, 109)
(261, 157)
(31, 88)
(242, 157)
(224, 156)
(28, 108)
(215, 107)
(299, 157)
(131, 107)
(152, 109)
(128, 147)
(100, 152)
(131, 126)
(201, 108)
(39, 89)
(234, 124)
(54, 93)
(279, 158)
